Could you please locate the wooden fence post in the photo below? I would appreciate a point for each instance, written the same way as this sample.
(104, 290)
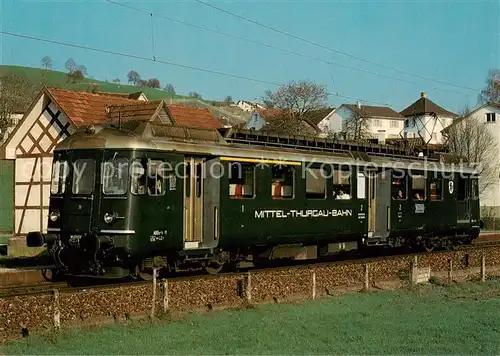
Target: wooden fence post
(414, 270)
(450, 271)
(367, 275)
(153, 304)
(249, 287)
(57, 311)
(314, 285)
(483, 268)
(165, 295)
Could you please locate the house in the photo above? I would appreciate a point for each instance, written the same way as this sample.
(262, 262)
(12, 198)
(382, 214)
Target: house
(382, 122)
(426, 120)
(26, 156)
(261, 119)
(136, 96)
(248, 106)
(489, 115)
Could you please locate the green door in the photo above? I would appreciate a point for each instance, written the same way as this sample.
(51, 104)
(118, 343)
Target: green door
(6, 196)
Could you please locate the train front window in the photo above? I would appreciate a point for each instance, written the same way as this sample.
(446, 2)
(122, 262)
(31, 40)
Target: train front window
(138, 178)
(115, 176)
(83, 176)
(60, 170)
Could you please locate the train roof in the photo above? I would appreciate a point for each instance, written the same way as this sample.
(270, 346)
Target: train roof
(231, 144)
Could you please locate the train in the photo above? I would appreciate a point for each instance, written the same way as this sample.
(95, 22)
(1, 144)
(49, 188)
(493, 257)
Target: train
(139, 198)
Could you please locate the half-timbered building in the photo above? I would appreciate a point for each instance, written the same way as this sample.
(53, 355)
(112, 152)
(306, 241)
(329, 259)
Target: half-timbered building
(54, 115)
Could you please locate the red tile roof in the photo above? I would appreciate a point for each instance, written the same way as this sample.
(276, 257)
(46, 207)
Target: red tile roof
(84, 108)
(193, 117)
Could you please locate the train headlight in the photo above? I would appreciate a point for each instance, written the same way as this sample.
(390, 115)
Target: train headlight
(54, 215)
(108, 218)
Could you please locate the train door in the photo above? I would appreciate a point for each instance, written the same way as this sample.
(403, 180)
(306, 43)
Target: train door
(193, 201)
(463, 199)
(379, 202)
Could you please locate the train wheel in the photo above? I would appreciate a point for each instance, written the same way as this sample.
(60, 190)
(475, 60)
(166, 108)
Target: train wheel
(51, 275)
(213, 268)
(429, 246)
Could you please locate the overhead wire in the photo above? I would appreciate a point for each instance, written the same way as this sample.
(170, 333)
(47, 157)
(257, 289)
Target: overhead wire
(156, 60)
(327, 62)
(332, 49)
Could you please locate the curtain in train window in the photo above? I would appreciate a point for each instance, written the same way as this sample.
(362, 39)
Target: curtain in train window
(115, 176)
(138, 177)
(283, 181)
(241, 180)
(156, 179)
(60, 171)
(436, 188)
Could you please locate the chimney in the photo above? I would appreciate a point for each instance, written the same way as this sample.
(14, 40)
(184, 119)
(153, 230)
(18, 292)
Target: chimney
(359, 104)
(423, 95)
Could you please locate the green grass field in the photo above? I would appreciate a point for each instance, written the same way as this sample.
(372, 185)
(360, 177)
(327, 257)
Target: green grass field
(425, 320)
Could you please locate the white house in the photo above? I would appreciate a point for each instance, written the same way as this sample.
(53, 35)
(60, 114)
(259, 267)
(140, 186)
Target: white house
(489, 115)
(383, 122)
(248, 106)
(426, 120)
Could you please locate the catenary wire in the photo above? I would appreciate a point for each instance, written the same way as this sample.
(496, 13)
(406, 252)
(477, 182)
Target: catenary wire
(327, 62)
(128, 55)
(331, 49)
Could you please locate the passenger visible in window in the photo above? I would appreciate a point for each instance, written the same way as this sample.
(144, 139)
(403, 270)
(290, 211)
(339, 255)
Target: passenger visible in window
(418, 196)
(155, 186)
(399, 195)
(139, 185)
(343, 195)
(276, 189)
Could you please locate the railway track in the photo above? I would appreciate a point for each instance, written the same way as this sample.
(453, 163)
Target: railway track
(44, 288)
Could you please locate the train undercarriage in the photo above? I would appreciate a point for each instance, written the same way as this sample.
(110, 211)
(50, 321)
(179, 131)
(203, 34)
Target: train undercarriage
(97, 257)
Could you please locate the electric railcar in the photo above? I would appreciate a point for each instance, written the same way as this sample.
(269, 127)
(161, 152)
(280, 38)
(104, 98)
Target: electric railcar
(142, 196)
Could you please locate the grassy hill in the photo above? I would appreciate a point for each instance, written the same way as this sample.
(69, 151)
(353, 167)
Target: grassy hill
(51, 78)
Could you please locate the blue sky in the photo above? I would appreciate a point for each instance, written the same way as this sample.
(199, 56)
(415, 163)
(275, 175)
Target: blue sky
(451, 41)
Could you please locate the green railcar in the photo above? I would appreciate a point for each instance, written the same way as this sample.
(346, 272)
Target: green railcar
(128, 200)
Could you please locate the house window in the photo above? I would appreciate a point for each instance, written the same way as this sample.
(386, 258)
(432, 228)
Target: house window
(315, 183)
(282, 181)
(491, 117)
(394, 124)
(241, 180)
(342, 183)
(376, 122)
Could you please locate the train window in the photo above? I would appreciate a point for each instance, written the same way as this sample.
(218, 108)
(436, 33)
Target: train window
(315, 183)
(436, 189)
(342, 183)
(199, 176)
(462, 189)
(156, 178)
(418, 187)
(475, 189)
(361, 186)
(241, 180)
(138, 178)
(83, 176)
(282, 181)
(60, 170)
(187, 180)
(115, 176)
(399, 190)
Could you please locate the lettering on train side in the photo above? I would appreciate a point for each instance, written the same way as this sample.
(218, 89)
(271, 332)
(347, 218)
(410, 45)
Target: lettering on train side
(313, 213)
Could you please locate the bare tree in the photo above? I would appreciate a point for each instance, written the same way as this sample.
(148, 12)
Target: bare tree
(492, 91)
(299, 98)
(133, 77)
(16, 94)
(169, 88)
(116, 80)
(70, 65)
(228, 99)
(75, 72)
(194, 94)
(469, 138)
(356, 127)
(291, 103)
(47, 62)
